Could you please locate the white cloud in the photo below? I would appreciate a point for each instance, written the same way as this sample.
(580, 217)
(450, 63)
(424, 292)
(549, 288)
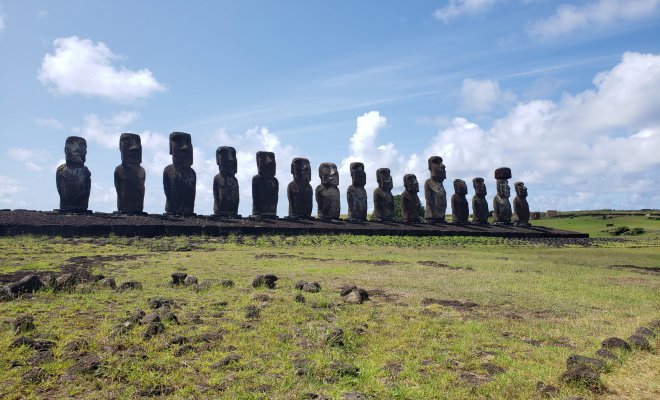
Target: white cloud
(596, 14)
(9, 186)
(80, 66)
(2, 20)
(50, 123)
(35, 160)
(483, 95)
(459, 8)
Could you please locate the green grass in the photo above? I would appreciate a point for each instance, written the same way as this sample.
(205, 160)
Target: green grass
(596, 226)
(537, 304)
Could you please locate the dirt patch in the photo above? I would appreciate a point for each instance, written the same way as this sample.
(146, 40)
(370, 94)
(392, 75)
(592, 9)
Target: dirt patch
(456, 304)
(273, 255)
(435, 264)
(383, 295)
(375, 262)
(635, 268)
(89, 261)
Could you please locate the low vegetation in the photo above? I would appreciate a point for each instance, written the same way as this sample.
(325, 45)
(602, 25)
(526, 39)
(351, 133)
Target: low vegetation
(445, 318)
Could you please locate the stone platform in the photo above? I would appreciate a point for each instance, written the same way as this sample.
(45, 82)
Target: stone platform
(21, 222)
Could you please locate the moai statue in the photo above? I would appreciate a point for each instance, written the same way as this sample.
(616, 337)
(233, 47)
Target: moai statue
(520, 205)
(501, 204)
(327, 193)
(73, 179)
(410, 200)
(265, 187)
(383, 199)
(179, 179)
(434, 192)
(129, 175)
(459, 204)
(479, 202)
(225, 184)
(356, 195)
(300, 192)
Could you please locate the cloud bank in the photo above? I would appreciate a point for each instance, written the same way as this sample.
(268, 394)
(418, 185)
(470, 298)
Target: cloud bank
(458, 8)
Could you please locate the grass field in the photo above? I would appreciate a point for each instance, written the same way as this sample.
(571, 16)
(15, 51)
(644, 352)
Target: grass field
(448, 318)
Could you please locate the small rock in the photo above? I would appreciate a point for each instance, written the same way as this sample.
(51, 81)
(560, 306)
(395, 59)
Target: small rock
(29, 284)
(493, 369)
(230, 359)
(346, 289)
(136, 316)
(190, 280)
(65, 282)
(37, 344)
(196, 319)
(179, 340)
(655, 324)
(300, 284)
(546, 391)
(167, 315)
(606, 354)
(153, 329)
(149, 318)
(40, 357)
(265, 280)
(335, 337)
(345, 369)
(639, 342)
(583, 374)
(644, 331)
(252, 312)
(158, 302)
(311, 287)
(300, 298)
(227, 283)
(75, 345)
(261, 297)
(108, 283)
(574, 360)
(615, 343)
(356, 296)
(130, 285)
(23, 323)
(35, 375)
(178, 278)
(86, 365)
(210, 337)
(183, 350)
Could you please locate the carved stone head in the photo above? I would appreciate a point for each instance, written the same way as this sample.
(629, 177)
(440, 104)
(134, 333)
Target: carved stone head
(130, 146)
(266, 163)
(460, 188)
(521, 189)
(437, 168)
(328, 174)
(503, 189)
(301, 170)
(384, 178)
(410, 183)
(358, 174)
(225, 157)
(75, 150)
(181, 149)
(479, 187)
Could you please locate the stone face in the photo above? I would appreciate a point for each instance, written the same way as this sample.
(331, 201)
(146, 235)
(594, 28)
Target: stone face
(265, 187)
(479, 203)
(434, 191)
(179, 179)
(501, 206)
(520, 205)
(129, 175)
(300, 192)
(410, 200)
(356, 195)
(459, 204)
(383, 199)
(225, 185)
(327, 193)
(73, 179)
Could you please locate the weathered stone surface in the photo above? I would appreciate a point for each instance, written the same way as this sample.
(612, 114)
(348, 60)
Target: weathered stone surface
(606, 354)
(129, 175)
(615, 343)
(179, 179)
(225, 185)
(310, 287)
(327, 193)
(40, 357)
(459, 204)
(353, 294)
(356, 195)
(73, 179)
(35, 375)
(574, 360)
(299, 298)
(520, 205)
(479, 203)
(383, 198)
(153, 328)
(252, 312)
(583, 374)
(149, 318)
(265, 187)
(300, 192)
(434, 191)
(28, 284)
(410, 200)
(108, 283)
(178, 278)
(36, 344)
(88, 364)
(546, 391)
(190, 280)
(501, 205)
(23, 323)
(229, 360)
(130, 285)
(503, 173)
(158, 302)
(265, 280)
(644, 331)
(639, 342)
(335, 337)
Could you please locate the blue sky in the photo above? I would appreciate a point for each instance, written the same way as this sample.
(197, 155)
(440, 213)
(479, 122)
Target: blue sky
(565, 93)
